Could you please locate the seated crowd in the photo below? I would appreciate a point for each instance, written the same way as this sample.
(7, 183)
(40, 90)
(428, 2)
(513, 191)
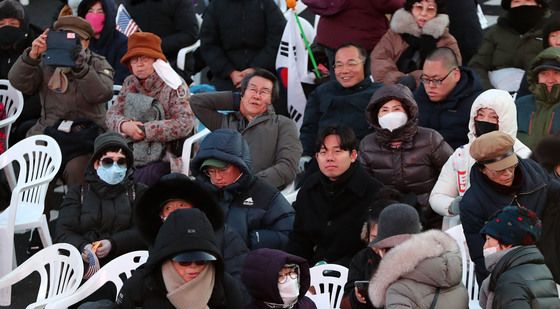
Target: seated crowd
(404, 139)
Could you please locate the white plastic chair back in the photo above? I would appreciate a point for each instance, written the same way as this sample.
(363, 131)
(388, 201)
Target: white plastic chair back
(329, 279)
(187, 149)
(468, 276)
(116, 91)
(116, 271)
(12, 99)
(60, 267)
(39, 160)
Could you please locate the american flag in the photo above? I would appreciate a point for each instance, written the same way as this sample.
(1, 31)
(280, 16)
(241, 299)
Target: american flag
(125, 23)
(92, 264)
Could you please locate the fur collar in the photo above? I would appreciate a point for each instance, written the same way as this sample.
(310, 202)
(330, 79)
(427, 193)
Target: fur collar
(403, 22)
(404, 258)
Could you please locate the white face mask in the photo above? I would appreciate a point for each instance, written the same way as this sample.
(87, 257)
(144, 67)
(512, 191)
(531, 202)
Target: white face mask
(489, 251)
(289, 290)
(393, 120)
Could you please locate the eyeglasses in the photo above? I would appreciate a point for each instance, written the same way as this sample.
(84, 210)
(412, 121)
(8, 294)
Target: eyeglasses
(197, 263)
(108, 162)
(437, 82)
(142, 59)
(293, 273)
(351, 64)
(261, 92)
(418, 8)
(214, 171)
(510, 169)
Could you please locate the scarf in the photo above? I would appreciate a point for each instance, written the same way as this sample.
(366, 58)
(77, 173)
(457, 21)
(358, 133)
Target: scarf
(194, 294)
(59, 81)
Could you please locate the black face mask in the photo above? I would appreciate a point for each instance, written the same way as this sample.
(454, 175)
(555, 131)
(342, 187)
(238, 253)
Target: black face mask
(526, 17)
(483, 127)
(11, 37)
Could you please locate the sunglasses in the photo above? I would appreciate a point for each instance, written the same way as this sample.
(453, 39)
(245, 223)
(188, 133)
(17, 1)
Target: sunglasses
(108, 162)
(189, 263)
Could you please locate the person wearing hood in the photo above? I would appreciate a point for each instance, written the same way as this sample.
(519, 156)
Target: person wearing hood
(538, 114)
(184, 269)
(445, 96)
(107, 41)
(152, 109)
(276, 279)
(493, 110)
(415, 31)
(518, 275)
(500, 178)
(256, 210)
(101, 211)
(546, 153)
(417, 270)
(177, 191)
(512, 43)
(400, 153)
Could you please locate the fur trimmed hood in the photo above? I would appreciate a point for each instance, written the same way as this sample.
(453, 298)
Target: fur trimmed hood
(403, 22)
(431, 258)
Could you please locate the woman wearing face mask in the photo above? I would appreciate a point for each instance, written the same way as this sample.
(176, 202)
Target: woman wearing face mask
(519, 277)
(399, 153)
(107, 41)
(276, 279)
(100, 212)
(492, 110)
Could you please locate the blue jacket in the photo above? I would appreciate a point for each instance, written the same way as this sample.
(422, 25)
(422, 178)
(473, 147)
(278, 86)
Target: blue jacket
(332, 104)
(481, 201)
(257, 211)
(450, 117)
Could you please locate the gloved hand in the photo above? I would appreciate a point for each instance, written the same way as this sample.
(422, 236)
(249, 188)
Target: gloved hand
(87, 248)
(454, 206)
(81, 58)
(103, 249)
(303, 163)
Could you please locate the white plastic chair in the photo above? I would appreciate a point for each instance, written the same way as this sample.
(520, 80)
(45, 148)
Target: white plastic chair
(183, 52)
(39, 160)
(320, 300)
(116, 91)
(12, 99)
(468, 276)
(187, 149)
(111, 272)
(61, 269)
(329, 279)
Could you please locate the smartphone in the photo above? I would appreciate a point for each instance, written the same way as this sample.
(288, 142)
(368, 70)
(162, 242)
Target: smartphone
(362, 287)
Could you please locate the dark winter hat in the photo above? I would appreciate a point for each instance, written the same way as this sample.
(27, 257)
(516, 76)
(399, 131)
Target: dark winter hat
(109, 140)
(506, 4)
(192, 256)
(514, 225)
(12, 9)
(547, 152)
(396, 223)
(76, 24)
(552, 24)
(549, 64)
(143, 44)
(494, 150)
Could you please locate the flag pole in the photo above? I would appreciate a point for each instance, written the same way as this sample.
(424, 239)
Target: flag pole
(307, 46)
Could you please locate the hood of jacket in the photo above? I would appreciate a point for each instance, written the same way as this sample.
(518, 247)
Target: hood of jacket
(430, 258)
(539, 90)
(260, 274)
(403, 22)
(383, 95)
(515, 257)
(174, 186)
(109, 26)
(504, 106)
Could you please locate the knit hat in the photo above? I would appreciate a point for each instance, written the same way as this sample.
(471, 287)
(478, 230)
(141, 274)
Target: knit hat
(76, 24)
(514, 225)
(12, 9)
(494, 150)
(111, 140)
(143, 44)
(552, 24)
(506, 4)
(396, 223)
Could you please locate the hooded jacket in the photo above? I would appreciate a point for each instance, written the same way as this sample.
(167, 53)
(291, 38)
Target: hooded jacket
(447, 186)
(538, 114)
(10, 53)
(388, 51)
(450, 117)
(184, 230)
(98, 210)
(520, 279)
(410, 273)
(415, 165)
(111, 44)
(257, 211)
(260, 276)
(536, 193)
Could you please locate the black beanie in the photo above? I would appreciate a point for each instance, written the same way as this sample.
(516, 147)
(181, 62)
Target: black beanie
(12, 9)
(108, 140)
(552, 24)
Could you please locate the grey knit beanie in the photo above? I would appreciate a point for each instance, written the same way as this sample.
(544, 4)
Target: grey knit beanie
(396, 223)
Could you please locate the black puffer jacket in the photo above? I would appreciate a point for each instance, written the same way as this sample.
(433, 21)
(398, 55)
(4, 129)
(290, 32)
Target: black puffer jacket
(257, 211)
(413, 167)
(238, 34)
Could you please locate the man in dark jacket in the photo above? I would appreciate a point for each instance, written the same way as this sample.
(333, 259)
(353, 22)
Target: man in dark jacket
(500, 178)
(184, 269)
(339, 102)
(332, 204)
(446, 95)
(238, 35)
(253, 208)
